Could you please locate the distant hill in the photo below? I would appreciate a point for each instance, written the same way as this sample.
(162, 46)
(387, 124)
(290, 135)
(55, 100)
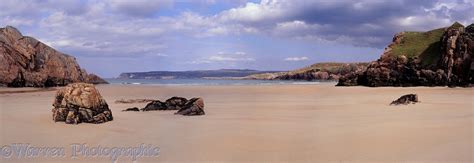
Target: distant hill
(318, 71)
(210, 74)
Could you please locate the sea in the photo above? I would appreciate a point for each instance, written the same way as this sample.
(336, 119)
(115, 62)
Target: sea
(197, 82)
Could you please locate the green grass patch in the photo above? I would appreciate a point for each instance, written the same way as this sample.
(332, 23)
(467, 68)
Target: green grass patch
(332, 67)
(424, 45)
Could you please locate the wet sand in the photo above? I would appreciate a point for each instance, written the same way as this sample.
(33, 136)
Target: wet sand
(274, 123)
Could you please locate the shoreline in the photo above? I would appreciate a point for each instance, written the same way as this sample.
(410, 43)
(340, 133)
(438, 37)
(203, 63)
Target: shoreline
(10, 90)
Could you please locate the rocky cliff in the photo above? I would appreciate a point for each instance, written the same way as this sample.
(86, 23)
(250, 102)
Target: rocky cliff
(440, 57)
(318, 71)
(27, 62)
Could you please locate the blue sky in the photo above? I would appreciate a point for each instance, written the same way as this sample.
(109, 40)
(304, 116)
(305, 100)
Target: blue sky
(112, 36)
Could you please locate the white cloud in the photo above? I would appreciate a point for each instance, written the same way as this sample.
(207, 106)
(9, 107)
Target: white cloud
(254, 12)
(219, 58)
(422, 22)
(293, 25)
(225, 58)
(296, 59)
(99, 27)
(297, 29)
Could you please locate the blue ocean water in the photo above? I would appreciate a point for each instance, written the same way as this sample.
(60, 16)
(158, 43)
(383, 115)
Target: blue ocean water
(205, 82)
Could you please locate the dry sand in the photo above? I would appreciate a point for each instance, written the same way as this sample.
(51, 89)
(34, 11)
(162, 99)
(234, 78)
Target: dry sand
(279, 123)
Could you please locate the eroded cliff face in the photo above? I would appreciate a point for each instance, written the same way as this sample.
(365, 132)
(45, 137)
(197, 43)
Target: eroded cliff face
(453, 66)
(457, 50)
(27, 62)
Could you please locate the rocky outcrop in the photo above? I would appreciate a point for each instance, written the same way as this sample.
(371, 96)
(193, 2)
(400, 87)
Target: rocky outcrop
(390, 71)
(174, 103)
(318, 71)
(406, 99)
(80, 102)
(457, 51)
(195, 106)
(454, 68)
(27, 62)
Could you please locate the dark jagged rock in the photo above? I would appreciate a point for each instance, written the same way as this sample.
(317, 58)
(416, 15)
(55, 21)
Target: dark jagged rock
(195, 106)
(453, 68)
(406, 99)
(27, 62)
(155, 105)
(80, 102)
(395, 72)
(132, 109)
(174, 103)
(351, 79)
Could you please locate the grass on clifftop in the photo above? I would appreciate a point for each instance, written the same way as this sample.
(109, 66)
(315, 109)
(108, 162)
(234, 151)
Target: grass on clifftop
(332, 67)
(425, 45)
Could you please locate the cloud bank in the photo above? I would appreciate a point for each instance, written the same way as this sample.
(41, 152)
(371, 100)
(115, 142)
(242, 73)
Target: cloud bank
(150, 29)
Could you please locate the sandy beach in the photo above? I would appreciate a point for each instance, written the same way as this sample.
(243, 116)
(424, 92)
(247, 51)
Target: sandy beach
(274, 123)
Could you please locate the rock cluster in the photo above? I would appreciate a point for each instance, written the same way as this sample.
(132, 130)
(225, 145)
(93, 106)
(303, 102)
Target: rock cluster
(406, 99)
(174, 103)
(194, 106)
(80, 102)
(455, 67)
(27, 62)
(390, 71)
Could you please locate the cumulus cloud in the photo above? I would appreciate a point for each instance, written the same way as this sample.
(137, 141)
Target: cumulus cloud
(254, 12)
(364, 23)
(296, 59)
(119, 28)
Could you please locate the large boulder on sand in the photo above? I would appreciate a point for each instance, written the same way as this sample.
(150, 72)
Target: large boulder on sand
(80, 102)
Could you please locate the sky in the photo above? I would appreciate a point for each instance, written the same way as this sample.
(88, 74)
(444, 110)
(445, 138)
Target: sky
(108, 37)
